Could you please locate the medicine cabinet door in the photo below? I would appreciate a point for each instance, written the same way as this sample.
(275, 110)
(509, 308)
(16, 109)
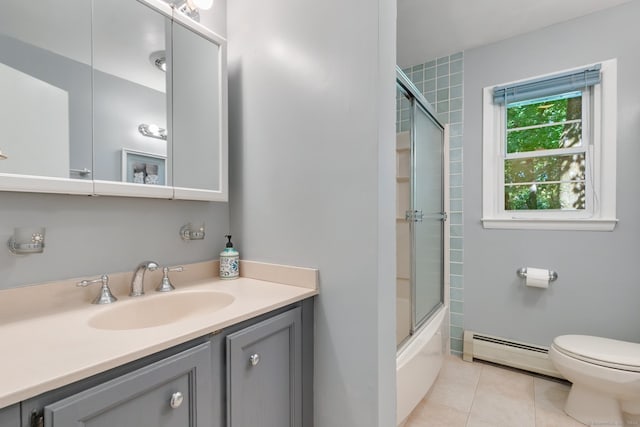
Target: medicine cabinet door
(45, 96)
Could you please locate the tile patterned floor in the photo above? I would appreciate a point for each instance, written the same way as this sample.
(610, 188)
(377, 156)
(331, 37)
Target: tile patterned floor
(483, 395)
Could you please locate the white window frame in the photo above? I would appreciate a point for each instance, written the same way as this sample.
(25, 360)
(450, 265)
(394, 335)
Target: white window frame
(600, 213)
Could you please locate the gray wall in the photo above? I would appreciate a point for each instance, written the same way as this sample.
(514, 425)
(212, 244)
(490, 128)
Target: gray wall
(88, 236)
(598, 290)
(91, 235)
(312, 180)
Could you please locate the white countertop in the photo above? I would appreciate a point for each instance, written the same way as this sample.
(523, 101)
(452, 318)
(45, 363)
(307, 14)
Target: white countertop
(53, 344)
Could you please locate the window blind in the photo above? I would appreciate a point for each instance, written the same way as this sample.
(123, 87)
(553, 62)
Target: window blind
(551, 85)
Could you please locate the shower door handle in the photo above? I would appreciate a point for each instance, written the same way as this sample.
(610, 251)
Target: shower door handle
(419, 216)
(439, 216)
(414, 216)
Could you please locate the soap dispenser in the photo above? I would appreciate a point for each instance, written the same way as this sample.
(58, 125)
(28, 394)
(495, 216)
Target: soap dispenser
(229, 261)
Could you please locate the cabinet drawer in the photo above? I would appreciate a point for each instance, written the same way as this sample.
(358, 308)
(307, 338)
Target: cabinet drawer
(175, 391)
(264, 373)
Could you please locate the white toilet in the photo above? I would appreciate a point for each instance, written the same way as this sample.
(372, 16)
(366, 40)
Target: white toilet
(606, 379)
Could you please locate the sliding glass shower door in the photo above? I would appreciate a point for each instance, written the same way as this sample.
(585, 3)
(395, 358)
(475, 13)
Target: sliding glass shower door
(428, 215)
(420, 210)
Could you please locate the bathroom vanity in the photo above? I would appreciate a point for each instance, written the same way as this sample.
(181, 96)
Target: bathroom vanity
(249, 362)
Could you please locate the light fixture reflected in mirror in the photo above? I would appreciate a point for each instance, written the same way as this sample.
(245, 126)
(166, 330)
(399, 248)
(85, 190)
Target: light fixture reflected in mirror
(159, 60)
(200, 4)
(191, 7)
(152, 131)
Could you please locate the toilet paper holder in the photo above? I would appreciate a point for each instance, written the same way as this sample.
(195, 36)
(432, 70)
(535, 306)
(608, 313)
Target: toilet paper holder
(522, 272)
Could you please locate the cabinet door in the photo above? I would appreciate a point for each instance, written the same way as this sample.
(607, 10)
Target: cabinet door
(172, 392)
(264, 373)
(10, 416)
(199, 112)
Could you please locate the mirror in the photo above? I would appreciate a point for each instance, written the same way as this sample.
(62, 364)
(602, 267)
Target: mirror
(129, 90)
(197, 108)
(88, 109)
(45, 107)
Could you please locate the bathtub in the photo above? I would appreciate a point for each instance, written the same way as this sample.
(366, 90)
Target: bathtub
(418, 363)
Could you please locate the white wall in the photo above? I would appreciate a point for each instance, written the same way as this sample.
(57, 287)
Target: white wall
(28, 100)
(312, 90)
(598, 290)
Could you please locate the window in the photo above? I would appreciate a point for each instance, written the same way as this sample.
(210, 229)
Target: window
(549, 151)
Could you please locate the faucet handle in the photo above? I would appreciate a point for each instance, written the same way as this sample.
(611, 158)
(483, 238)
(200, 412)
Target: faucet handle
(165, 284)
(105, 296)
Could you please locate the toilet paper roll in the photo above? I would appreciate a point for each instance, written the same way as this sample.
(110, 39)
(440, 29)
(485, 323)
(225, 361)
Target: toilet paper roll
(537, 277)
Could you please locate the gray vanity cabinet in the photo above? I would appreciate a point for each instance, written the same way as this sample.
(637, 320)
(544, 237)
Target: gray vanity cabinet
(264, 373)
(10, 416)
(175, 391)
(256, 373)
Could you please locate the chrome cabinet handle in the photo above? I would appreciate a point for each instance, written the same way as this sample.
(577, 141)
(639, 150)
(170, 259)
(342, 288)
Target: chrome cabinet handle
(176, 400)
(254, 359)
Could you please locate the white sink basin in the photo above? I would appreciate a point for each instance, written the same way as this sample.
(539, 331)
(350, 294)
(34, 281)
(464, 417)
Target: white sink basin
(160, 309)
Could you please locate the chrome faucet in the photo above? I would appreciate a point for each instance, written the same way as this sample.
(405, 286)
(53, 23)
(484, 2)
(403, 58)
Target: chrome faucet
(137, 281)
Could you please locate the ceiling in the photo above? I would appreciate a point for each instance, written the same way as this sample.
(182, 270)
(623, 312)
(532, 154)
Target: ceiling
(428, 29)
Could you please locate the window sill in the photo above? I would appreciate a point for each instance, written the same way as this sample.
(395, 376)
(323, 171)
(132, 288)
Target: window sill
(550, 224)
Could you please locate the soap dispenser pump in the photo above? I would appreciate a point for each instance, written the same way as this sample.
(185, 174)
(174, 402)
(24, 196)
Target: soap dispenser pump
(229, 261)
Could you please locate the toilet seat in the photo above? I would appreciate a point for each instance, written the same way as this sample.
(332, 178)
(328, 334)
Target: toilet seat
(600, 351)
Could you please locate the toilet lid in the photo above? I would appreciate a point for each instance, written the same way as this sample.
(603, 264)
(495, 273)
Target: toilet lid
(600, 351)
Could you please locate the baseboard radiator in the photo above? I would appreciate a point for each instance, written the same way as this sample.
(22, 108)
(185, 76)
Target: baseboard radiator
(508, 353)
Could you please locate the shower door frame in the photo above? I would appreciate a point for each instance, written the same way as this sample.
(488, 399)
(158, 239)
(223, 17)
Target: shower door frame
(408, 87)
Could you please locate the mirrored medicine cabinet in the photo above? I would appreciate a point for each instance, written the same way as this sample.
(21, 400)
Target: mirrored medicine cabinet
(111, 97)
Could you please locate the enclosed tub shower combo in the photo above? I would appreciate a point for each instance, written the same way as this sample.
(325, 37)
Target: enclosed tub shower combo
(422, 245)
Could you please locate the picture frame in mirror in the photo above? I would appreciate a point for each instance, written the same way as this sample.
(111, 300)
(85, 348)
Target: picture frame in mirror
(140, 167)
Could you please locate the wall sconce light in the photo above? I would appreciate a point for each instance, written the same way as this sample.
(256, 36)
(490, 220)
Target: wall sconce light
(191, 7)
(152, 131)
(2, 155)
(159, 60)
(189, 232)
(27, 240)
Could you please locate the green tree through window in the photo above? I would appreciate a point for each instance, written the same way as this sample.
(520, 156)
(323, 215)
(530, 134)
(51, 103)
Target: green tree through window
(545, 158)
